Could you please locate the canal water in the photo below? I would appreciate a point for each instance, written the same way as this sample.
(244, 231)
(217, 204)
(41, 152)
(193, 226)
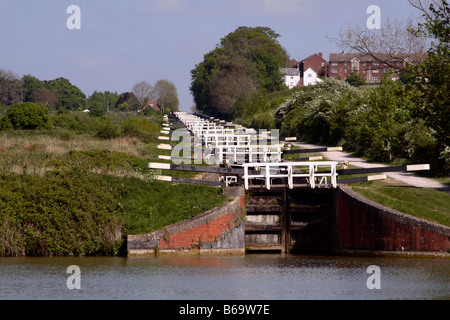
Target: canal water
(249, 277)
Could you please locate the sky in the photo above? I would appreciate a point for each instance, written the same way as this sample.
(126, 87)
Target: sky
(121, 43)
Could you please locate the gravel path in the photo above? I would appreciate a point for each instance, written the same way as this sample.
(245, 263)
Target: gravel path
(405, 177)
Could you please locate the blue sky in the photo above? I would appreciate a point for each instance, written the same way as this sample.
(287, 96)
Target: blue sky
(123, 42)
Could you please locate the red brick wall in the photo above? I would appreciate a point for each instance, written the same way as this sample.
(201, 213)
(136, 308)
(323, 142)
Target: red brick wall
(315, 62)
(206, 232)
(362, 225)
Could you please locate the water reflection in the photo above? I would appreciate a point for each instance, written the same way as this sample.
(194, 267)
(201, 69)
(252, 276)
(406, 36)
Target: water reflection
(274, 277)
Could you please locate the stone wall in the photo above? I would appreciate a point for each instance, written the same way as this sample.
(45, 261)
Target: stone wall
(361, 224)
(217, 231)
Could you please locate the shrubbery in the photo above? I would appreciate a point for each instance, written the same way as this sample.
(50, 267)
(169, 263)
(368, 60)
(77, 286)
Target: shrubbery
(59, 214)
(108, 130)
(141, 128)
(28, 116)
(106, 127)
(382, 123)
(75, 212)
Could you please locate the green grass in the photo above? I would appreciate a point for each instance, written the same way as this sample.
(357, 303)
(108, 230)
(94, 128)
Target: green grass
(427, 204)
(152, 206)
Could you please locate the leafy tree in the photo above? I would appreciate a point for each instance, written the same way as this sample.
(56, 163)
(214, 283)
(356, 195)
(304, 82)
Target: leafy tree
(31, 84)
(434, 76)
(102, 100)
(356, 79)
(166, 95)
(246, 60)
(69, 96)
(127, 101)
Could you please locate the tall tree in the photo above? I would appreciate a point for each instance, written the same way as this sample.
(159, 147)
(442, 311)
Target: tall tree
(166, 95)
(69, 96)
(247, 59)
(31, 84)
(45, 97)
(142, 91)
(434, 74)
(103, 100)
(395, 40)
(10, 88)
(127, 101)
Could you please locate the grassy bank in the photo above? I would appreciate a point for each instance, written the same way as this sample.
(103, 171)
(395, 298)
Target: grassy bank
(68, 190)
(79, 212)
(429, 204)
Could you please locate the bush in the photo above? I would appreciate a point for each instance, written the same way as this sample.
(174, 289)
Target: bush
(58, 214)
(108, 130)
(141, 128)
(66, 135)
(28, 116)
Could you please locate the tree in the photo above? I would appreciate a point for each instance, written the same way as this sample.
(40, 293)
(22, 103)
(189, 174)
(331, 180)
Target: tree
(31, 84)
(127, 101)
(434, 74)
(166, 95)
(395, 40)
(10, 88)
(102, 100)
(227, 87)
(69, 96)
(44, 96)
(142, 91)
(356, 79)
(247, 59)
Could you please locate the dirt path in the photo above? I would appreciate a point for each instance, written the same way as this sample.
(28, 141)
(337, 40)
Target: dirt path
(405, 177)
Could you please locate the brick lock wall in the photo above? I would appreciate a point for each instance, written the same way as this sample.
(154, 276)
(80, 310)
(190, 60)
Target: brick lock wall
(206, 232)
(219, 228)
(364, 225)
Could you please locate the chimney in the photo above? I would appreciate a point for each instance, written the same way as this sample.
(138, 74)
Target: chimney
(320, 54)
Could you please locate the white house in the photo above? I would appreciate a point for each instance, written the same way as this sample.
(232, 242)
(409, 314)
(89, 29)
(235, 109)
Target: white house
(291, 77)
(310, 77)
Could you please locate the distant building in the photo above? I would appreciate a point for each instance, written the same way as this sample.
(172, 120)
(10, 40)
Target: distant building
(342, 64)
(311, 69)
(310, 77)
(291, 77)
(150, 103)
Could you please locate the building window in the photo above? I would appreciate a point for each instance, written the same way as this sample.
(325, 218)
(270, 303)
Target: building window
(375, 71)
(334, 71)
(334, 63)
(376, 78)
(375, 63)
(345, 70)
(309, 75)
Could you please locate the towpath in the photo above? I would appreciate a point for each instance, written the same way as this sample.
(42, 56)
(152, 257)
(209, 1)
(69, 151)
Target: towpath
(405, 177)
